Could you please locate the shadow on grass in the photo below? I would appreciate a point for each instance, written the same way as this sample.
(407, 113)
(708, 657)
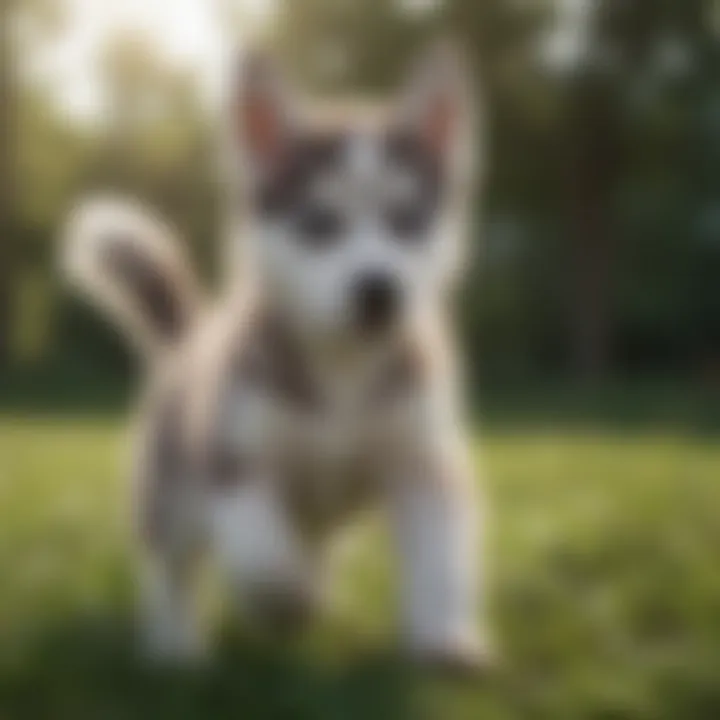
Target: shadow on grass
(90, 668)
(689, 407)
(70, 393)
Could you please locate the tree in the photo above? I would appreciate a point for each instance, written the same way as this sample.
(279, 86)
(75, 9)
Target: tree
(35, 18)
(8, 105)
(157, 138)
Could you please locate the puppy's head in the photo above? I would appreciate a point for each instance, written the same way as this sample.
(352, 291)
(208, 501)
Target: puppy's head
(357, 216)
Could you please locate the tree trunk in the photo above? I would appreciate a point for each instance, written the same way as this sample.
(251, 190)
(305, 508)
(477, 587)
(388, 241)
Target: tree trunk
(594, 143)
(8, 110)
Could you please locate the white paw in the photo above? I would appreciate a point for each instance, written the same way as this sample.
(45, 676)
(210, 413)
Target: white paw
(173, 645)
(457, 657)
(281, 609)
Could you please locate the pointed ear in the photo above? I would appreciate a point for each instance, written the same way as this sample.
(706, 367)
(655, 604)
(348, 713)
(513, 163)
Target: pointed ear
(436, 100)
(262, 113)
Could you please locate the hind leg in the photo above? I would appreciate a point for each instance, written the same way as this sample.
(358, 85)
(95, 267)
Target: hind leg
(169, 538)
(169, 621)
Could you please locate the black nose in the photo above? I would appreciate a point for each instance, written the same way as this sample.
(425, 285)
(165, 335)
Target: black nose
(377, 299)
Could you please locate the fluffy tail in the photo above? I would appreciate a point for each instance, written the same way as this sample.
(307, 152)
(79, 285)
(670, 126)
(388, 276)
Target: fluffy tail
(128, 262)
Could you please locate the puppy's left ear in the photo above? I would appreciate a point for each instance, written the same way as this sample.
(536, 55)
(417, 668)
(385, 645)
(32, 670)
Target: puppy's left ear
(436, 102)
(263, 112)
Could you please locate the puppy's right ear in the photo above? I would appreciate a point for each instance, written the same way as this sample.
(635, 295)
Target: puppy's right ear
(262, 112)
(436, 103)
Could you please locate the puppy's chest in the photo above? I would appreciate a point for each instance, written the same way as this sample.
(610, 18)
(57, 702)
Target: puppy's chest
(331, 467)
(331, 460)
(278, 407)
(332, 440)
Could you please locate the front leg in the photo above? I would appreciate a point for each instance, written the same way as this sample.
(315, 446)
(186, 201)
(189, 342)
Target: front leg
(435, 523)
(257, 544)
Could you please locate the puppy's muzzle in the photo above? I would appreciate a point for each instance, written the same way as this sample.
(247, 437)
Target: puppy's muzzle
(376, 300)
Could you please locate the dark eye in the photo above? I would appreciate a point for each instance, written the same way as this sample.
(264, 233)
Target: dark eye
(407, 221)
(320, 226)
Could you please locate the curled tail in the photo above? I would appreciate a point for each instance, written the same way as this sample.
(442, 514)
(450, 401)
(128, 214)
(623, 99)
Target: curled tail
(128, 262)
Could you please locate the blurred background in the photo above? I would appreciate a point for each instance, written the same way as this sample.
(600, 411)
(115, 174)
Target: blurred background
(590, 316)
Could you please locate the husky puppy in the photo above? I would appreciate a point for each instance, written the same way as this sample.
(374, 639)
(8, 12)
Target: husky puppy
(324, 381)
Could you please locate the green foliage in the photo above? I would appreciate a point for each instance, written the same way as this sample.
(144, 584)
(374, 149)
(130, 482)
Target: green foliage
(156, 144)
(597, 219)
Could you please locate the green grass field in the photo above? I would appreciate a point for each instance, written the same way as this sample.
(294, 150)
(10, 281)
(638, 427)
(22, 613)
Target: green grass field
(605, 551)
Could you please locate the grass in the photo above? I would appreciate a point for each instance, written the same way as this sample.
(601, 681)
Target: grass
(606, 591)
